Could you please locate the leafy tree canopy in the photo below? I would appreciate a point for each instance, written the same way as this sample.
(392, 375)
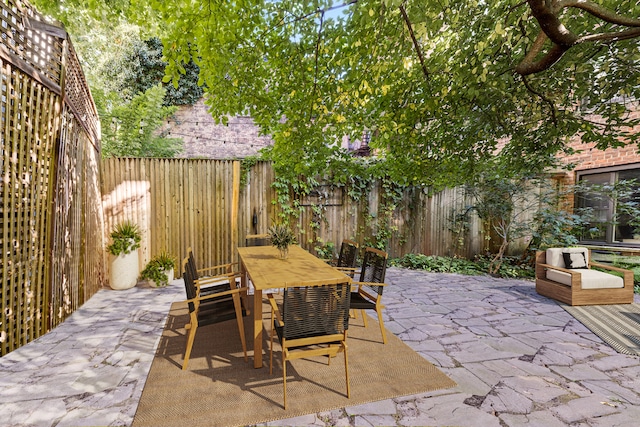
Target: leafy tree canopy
(440, 84)
(141, 67)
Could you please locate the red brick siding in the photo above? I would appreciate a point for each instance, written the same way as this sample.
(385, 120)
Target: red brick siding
(204, 138)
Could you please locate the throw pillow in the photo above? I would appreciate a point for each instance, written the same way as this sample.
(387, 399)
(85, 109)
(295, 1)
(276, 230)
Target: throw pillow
(574, 260)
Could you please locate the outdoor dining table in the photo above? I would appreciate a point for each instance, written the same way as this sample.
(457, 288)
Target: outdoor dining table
(267, 271)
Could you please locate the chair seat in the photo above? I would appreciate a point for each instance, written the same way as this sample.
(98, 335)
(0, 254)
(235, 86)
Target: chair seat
(591, 279)
(359, 302)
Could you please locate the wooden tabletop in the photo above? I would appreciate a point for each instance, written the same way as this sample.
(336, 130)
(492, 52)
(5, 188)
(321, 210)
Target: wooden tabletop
(300, 268)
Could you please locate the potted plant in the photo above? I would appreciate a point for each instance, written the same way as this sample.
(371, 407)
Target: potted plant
(159, 270)
(125, 240)
(281, 237)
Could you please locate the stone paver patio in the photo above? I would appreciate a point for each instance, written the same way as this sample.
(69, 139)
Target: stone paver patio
(519, 360)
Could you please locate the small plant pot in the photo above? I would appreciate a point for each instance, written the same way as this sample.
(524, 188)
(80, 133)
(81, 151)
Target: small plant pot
(124, 271)
(168, 273)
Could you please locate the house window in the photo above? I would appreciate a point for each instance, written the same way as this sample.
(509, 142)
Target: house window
(611, 225)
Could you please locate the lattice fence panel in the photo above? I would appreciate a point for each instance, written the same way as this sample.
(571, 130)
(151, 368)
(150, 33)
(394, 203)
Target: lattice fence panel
(25, 200)
(51, 242)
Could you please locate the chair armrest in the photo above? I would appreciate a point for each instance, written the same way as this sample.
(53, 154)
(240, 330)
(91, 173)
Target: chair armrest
(218, 267)
(348, 271)
(609, 267)
(627, 274)
(212, 280)
(203, 281)
(217, 294)
(553, 267)
(369, 283)
(275, 311)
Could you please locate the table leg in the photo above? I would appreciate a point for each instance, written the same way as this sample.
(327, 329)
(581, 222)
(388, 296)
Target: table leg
(257, 328)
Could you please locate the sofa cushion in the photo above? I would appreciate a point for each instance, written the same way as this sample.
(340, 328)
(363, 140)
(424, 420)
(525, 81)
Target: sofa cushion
(591, 279)
(574, 259)
(555, 257)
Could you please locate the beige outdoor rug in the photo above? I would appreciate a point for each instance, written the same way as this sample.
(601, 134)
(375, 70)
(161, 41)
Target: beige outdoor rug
(618, 324)
(221, 389)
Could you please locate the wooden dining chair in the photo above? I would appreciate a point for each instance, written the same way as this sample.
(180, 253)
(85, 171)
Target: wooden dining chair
(221, 303)
(313, 322)
(215, 278)
(368, 289)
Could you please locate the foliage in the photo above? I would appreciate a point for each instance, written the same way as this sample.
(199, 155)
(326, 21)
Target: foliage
(245, 168)
(130, 129)
(125, 238)
(504, 203)
(157, 268)
(325, 250)
(437, 264)
(281, 236)
(435, 83)
(140, 67)
(512, 267)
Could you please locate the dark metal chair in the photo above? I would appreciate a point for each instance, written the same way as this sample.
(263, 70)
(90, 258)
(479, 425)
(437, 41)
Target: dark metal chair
(368, 295)
(313, 322)
(348, 256)
(221, 303)
(257, 240)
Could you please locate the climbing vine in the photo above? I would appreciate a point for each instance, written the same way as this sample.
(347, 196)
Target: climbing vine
(357, 177)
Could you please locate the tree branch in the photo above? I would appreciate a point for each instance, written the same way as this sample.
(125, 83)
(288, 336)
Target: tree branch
(543, 98)
(530, 66)
(415, 41)
(547, 18)
(611, 37)
(600, 12)
(546, 13)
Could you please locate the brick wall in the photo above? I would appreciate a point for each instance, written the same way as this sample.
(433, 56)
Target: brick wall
(588, 157)
(204, 138)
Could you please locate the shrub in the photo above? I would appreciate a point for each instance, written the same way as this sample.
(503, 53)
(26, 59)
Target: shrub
(512, 267)
(125, 238)
(157, 268)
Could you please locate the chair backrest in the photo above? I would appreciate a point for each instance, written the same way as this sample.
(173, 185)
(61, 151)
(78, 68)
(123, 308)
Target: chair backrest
(374, 268)
(193, 269)
(348, 254)
(555, 257)
(316, 310)
(257, 240)
(189, 282)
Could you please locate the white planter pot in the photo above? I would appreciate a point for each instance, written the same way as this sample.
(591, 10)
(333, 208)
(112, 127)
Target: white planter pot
(124, 271)
(169, 274)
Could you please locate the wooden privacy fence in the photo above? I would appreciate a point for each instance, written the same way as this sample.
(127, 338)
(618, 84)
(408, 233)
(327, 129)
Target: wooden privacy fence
(200, 203)
(179, 203)
(51, 242)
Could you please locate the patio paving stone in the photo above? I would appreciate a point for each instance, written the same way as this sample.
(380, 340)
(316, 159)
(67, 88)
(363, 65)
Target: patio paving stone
(534, 419)
(610, 388)
(585, 408)
(518, 358)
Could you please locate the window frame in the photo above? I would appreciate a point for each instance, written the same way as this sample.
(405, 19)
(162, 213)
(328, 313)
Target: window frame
(610, 232)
